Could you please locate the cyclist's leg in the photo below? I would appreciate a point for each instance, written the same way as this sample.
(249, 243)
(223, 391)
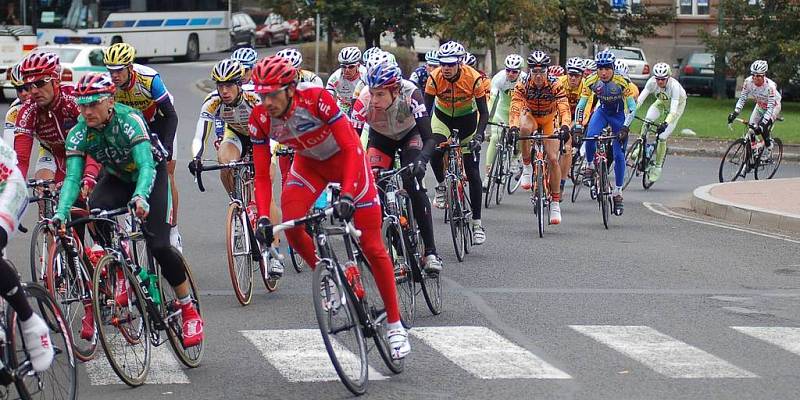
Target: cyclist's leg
(616, 121)
(303, 186)
(661, 150)
(109, 193)
(441, 133)
(527, 126)
(551, 148)
(596, 124)
(230, 150)
(494, 136)
(469, 123)
(45, 165)
(416, 190)
(285, 164)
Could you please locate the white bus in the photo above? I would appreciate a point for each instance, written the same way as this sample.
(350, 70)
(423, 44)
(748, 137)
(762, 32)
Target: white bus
(183, 29)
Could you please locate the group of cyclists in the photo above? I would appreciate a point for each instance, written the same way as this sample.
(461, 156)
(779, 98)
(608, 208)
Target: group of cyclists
(109, 141)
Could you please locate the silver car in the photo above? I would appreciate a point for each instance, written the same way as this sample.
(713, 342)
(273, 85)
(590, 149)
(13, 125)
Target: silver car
(634, 58)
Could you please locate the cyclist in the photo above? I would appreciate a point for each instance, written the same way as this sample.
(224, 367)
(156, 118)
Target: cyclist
(590, 67)
(420, 75)
(502, 84)
(620, 68)
(459, 94)
(768, 102)
(23, 94)
(572, 82)
(398, 122)
(342, 82)
(296, 58)
(554, 72)
(13, 201)
(248, 57)
(472, 61)
(141, 87)
(537, 104)
(670, 100)
(616, 107)
(327, 149)
(117, 137)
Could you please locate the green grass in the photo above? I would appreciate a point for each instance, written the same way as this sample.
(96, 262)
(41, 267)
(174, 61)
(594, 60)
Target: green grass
(708, 118)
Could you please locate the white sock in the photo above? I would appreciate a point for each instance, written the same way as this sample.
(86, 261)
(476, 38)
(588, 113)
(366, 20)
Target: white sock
(476, 222)
(527, 168)
(617, 190)
(395, 325)
(185, 300)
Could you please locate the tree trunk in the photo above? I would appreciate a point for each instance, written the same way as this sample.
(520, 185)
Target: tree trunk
(493, 49)
(720, 89)
(563, 34)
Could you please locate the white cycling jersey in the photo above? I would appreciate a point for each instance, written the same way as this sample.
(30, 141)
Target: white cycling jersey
(235, 117)
(13, 190)
(672, 94)
(10, 124)
(343, 90)
(311, 78)
(502, 87)
(395, 121)
(767, 97)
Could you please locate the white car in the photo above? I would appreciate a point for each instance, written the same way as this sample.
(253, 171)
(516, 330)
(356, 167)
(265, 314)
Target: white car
(77, 60)
(638, 68)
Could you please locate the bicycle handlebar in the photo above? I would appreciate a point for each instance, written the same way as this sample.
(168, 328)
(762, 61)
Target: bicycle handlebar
(97, 214)
(645, 121)
(234, 164)
(350, 229)
(40, 182)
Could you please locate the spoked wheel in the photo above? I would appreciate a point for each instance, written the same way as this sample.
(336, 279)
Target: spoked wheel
(576, 166)
(604, 193)
(240, 261)
(646, 182)
(41, 241)
(538, 198)
(171, 312)
(122, 322)
(72, 291)
(633, 159)
(270, 282)
(340, 327)
(515, 173)
(377, 312)
(577, 180)
(501, 177)
(403, 277)
(60, 381)
(456, 217)
(734, 162)
(466, 209)
(767, 168)
(297, 262)
(491, 183)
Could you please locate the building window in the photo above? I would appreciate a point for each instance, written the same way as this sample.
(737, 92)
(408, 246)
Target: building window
(693, 7)
(627, 6)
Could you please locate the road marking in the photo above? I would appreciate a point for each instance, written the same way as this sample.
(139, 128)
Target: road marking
(485, 354)
(783, 337)
(662, 353)
(300, 355)
(659, 209)
(164, 369)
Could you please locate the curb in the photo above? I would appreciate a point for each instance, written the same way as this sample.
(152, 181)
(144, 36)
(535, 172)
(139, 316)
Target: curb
(706, 204)
(791, 152)
(205, 85)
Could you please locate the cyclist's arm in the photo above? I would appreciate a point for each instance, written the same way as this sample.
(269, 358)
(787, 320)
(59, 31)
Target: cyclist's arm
(429, 100)
(771, 102)
(430, 94)
(677, 96)
(10, 125)
(517, 105)
(631, 110)
(330, 86)
(262, 161)
(423, 119)
(168, 121)
(359, 113)
(142, 154)
(562, 103)
(742, 98)
(205, 125)
(483, 115)
(71, 186)
(23, 137)
(349, 142)
(581, 110)
(643, 94)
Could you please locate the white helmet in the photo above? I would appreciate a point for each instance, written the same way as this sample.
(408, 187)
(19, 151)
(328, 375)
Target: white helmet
(590, 64)
(575, 65)
(349, 55)
(293, 55)
(380, 57)
(471, 60)
(759, 67)
(367, 53)
(662, 70)
(621, 68)
(432, 57)
(514, 61)
(451, 52)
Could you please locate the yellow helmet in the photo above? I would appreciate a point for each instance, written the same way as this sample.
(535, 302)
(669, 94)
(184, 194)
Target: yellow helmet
(119, 55)
(227, 70)
(16, 76)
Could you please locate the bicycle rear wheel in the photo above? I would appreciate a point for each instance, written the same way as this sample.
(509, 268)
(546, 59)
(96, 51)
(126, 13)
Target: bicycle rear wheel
(240, 261)
(538, 198)
(403, 277)
(456, 218)
(604, 193)
(41, 240)
(340, 327)
(297, 262)
(491, 181)
(734, 161)
(502, 177)
(60, 381)
(633, 159)
(466, 210)
(766, 169)
(377, 314)
(173, 317)
(646, 182)
(123, 323)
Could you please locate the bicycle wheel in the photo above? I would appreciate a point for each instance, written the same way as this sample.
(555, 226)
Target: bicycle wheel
(377, 312)
(240, 261)
(71, 290)
(576, 166)
(538, 202)
(340, 327)
(766, 169)
(577, 182)
(41, 240)
(122, 322)
(456, 218)
(403, 277)
(515, 173)
(297, 262)
(501, 177)
(646, 182)
(633, 159)
(734, 161)
(60, 381)
(604, 193)
(491, 182)
(466, 210)
(270, 283)
(171, 313)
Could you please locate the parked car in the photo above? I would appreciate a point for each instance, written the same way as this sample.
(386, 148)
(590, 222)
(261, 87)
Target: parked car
(302, 31)
(15, 42)
(274, 30)
(696, 75)
(243, 30)
(634, 58)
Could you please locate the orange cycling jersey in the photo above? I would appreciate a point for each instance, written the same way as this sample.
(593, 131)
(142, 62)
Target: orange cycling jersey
(548, 100)
(456, 98)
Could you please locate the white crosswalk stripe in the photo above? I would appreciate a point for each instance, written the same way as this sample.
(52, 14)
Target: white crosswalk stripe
(787, 338)
(662, 353)
(485, 354)
(164, 369)
(300, 355)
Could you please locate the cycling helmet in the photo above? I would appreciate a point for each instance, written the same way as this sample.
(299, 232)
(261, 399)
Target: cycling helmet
(227, 71)
(471, 60)
(605, 58)
(40, 65)
(554, 71)
(119, 56)
(662, 70)
(293, 55)
(94, 86)
(538, 59)
(272, 73)
(384, 75)
(590, 64)
(245, 55)
(380, 57)
(514, 61)
(432, 57)
(368, 52)
(349, 55)
(16, 76)
(575, 65)
(759, 67)
(620, 68)
(451, 52)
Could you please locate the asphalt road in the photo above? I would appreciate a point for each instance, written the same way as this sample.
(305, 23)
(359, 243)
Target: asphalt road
(655, 307)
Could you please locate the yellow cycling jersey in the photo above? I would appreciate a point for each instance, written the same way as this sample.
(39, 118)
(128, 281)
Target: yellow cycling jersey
(144, 91)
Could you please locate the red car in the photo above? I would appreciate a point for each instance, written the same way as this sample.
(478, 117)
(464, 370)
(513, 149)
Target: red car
(304, 31)
(274, 30)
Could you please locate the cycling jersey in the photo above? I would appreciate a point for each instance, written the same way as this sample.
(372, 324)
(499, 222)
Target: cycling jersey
(343, 90)
(10, 124)
(13, 191)
(456, 98)
(613, 96)
(144, 91)
(549, 100)
(306, 76)
(235, 118)
(767, 97)
(419, 76)
(396, 120)
(672, 97)
(501, 94)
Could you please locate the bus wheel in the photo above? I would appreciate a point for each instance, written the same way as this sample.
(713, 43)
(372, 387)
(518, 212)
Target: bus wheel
(192, 49)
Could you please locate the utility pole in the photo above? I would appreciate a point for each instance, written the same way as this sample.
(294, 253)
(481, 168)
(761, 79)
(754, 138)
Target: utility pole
(720, 66)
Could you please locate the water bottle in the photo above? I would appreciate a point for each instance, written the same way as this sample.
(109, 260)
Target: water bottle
(148, 284)
(252, 213)
(353, 276)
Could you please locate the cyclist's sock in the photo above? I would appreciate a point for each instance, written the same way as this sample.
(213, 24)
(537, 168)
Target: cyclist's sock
(476, 222)
(11, 291)
(394, 325)
(556, 197)
(661, 153)
(617, 191)
(185, 300)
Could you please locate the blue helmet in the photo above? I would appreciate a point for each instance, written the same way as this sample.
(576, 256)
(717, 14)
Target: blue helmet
(384, 74)
(245, 55)
(605, 58)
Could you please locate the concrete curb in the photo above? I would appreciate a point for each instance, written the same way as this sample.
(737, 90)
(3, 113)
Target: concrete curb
(704, 203)
(205, 85)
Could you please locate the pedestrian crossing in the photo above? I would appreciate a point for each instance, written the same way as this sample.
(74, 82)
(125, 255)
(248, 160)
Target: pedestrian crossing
(299, 355)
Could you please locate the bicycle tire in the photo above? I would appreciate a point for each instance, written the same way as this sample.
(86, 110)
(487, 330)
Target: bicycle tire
(603, 195)
(502, 177)
(395, 243)
(190, 356)
(456, 219)
(270, 283)
(378, 318)
(297, 262)
(71, 298)
(466, 209)
(514, 176)
(538, 194)
(240, 261)
(490, 182)
(632, 163)
(63, 372)
(773, 161)
(328, 278)
(104, 284)
(735, 151)
(646, 182)
(39, 249)
(575, 167)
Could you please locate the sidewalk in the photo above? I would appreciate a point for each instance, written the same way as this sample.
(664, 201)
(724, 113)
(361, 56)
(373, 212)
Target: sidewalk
(771, 204)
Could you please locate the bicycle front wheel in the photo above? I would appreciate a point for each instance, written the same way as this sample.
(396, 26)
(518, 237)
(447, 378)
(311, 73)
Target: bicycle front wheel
(646, 182)
(633, 159)
(767, 168)
(297, 262)
(340, 327)
(604, 192)
(240, 261)
(492, 181)
(502, 177)
(456, 218)
(173, 317)
(734, 162)
(514, 174)
(539, 198)
(378, 318)
(41, 240)
(403, 277)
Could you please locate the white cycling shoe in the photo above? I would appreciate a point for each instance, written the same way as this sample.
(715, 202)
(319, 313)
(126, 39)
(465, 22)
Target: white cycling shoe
(37, 339)
(526, 182)
(398, 341)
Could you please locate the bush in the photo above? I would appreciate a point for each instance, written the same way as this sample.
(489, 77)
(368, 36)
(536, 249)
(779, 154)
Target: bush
(406, 58)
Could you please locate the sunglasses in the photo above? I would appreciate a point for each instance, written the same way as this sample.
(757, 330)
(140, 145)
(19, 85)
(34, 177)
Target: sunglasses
(37, 84)
(227, 85)
(350, 66)
(575, 74)
(273, 94)
(539, 71)
(758, 75)
(512, 71)
(661, 79)
(22, 88)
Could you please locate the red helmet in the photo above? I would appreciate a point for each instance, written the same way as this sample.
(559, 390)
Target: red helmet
(272, 73)
(40, 65)
(555, 71)
(93, 87)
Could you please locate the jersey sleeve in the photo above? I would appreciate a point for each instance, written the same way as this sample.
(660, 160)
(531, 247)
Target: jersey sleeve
(9, 126)
(562, 104)
(743, 96)
(262, 160)
(23, 136)
(158, 90)
(517, 104)
(205, 124)
(359, 115)
(430, 85)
